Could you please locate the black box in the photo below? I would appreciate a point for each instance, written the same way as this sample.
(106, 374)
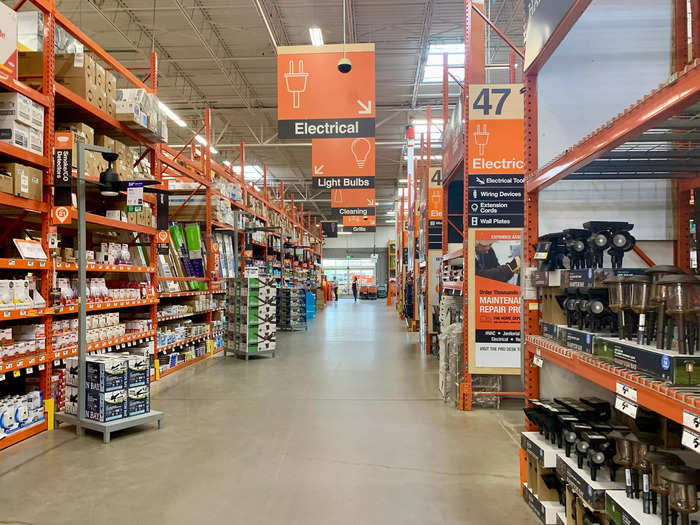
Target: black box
(105, 406)
(105, 373)
(138, 401)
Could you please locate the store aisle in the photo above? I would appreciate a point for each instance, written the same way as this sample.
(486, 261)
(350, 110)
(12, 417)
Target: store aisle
(343, 427)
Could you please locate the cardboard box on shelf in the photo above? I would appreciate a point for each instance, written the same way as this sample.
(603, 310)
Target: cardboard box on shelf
(105, 142)
(8, 44)
(100, 100)
(6, 182)
(129, 113)
(82, 133)
(14, 133)
(15, 106)
(100, 77)
(27, 182)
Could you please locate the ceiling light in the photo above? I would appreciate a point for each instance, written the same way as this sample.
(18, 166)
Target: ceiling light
(227, 164)
(316, 36)
(213, 150)
(344, 233)
(392, 212)
(171, 115)
(200, 139)
(403, 181)
(391, 221)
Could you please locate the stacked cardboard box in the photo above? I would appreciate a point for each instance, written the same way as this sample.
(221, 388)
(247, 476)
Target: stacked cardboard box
(22, 181)
(22, 122)
(79, 72)
(254, 316)
(116, 386)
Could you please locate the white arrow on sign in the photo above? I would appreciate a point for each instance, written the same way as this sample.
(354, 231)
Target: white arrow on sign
(318, 170)
(366, 108)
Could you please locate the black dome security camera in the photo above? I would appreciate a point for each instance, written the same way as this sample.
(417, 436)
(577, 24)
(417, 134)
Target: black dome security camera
(344, 65)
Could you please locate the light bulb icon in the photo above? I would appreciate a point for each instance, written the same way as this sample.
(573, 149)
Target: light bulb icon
(360, 151)
(481, 138)
(296, 82)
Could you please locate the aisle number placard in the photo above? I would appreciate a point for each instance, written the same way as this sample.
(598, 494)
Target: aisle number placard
(496, 156)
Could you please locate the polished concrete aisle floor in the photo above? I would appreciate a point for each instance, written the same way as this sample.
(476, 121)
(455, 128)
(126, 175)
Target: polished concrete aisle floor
(345, 426)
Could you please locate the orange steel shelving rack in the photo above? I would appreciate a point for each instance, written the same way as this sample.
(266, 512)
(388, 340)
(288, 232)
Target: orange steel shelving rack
(652, 113)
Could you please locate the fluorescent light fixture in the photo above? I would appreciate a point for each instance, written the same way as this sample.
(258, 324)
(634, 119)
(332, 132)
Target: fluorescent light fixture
(213, 150)
(227, 164)
(403, 181)
(171, 115)
(344, 233)
(391, 213)
(316, 36)
(391, 221)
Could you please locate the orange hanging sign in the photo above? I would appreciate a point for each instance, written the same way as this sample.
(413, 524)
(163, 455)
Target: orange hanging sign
(316, 100)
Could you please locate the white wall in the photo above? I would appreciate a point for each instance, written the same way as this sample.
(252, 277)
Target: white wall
(363, 240)
(617, 52)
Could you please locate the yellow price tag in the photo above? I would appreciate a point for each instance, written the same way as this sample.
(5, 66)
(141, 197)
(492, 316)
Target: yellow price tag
(210, 344)
(156, 364)
(15, 373)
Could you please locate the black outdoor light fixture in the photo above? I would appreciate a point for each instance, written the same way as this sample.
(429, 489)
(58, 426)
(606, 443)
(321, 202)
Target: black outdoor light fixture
(577, 249)
(645, 445)
(613, 236)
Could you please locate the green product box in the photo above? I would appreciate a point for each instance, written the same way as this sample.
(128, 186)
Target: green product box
(678, 369)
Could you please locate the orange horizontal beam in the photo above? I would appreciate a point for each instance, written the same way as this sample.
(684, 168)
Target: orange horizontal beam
(11, 84)
(24, 156)
(653, 395)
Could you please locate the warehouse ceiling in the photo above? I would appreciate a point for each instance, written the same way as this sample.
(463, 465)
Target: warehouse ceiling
(221, 55)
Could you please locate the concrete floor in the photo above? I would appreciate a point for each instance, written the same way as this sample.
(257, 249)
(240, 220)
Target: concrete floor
(344, 427)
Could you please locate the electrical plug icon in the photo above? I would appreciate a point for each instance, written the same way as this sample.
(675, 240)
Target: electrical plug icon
(481, 137)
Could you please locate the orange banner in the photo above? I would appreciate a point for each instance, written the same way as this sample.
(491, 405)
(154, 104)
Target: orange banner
(360, 221)
(351, 157)
(353, 198)
(310, 86)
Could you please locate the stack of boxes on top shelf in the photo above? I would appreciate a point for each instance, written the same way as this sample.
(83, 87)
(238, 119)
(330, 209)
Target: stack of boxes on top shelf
(254, 309)
(21, 119)
(139, 110)
(116, 385)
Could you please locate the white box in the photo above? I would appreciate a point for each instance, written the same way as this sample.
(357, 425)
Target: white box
(36, 141)
(14, 133)
(15, 106)
(8, 44)
(37, 116)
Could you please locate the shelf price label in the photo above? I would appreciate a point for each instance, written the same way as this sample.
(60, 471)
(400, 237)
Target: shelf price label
(626, 406)
(691, 421)
(538, 361)
(627, 391)
(691, 439)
